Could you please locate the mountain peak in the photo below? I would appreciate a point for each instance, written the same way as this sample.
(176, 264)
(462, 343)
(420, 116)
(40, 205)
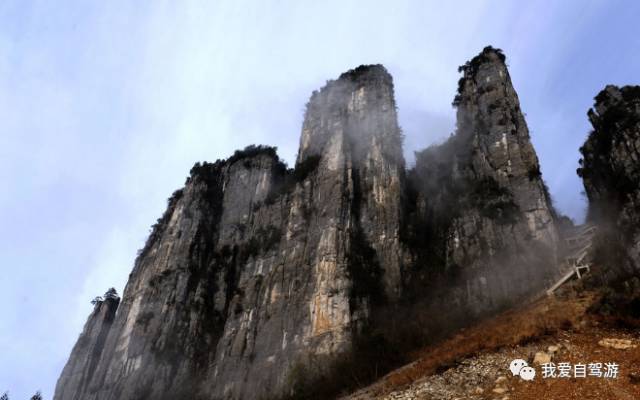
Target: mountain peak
(366, 72)
(258, 279)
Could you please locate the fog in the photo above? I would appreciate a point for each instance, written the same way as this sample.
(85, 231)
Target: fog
(105, 106)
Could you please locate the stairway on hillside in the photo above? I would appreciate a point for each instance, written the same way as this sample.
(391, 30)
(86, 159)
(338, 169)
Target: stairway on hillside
(577, 262)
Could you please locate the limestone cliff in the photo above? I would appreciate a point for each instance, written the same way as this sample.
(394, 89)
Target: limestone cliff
(352, 123)
(257, 272)
(610, 168)
(88, 350)
(483, 220)
(254, 268)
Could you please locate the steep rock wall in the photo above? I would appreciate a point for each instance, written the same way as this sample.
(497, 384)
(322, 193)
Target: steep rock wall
(255, 269)
(353, 124)
(256, 272)
(610, 169)
(484, 226)
(87, 351)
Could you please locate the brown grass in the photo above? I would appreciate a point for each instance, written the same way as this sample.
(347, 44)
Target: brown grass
(538, 319)
(585, 348)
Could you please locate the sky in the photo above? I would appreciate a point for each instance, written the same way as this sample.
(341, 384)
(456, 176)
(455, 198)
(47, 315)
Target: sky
(105, 106)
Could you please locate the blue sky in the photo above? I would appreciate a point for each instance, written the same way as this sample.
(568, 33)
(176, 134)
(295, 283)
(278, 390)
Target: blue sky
(104, 107)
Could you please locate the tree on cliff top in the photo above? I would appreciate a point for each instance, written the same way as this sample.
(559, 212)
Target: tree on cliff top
(112, 293)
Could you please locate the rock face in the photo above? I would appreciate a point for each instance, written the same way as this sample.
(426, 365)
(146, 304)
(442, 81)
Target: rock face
(484, 216)
(254, 268)
(610, 169)
(352, 123)
(87, 351)
(256, 272)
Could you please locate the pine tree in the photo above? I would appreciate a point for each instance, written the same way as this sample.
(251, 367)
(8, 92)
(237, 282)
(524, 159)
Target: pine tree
(37, 396)
(5, 396)
(112, 293)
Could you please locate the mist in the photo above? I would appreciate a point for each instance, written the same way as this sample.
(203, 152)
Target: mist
(106, 106)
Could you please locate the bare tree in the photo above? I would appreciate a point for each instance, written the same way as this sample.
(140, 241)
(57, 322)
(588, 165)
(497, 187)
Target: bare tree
(5, 396)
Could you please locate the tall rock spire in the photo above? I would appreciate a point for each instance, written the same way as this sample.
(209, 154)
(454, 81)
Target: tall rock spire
(352, 123)
(610, 168)
(259, 278)
(488, 217)
(358, 107)
(488, 111)
(255, 271)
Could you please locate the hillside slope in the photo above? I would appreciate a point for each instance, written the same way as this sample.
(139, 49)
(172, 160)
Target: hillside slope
(474, 364)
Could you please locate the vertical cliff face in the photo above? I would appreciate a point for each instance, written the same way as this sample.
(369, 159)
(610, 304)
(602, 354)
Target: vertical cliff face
(610, 169)
(174, 304)
(257, 272)
(87, 351)
(484, 215)
(352, 123)
(255, 269)
(319, 286)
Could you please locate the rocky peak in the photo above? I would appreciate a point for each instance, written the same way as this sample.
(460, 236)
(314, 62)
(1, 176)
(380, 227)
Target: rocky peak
(611, 98)
(610, 160)
(489, 113)
(486, 69)
(259, 280)
(355, 114)
(485, 207)
(610, 169)
(353, 125)
(255, 270)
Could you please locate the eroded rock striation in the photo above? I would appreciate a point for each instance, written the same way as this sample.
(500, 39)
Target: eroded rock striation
(610, 169)
(88, 350)
(254, 267)
(256, 272)
(483, 219)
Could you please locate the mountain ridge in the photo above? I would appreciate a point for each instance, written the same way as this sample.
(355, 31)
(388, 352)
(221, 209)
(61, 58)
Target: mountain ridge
(266, 282)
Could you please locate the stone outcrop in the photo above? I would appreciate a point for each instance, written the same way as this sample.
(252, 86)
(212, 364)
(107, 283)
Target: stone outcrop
(352, 124)
(88, 349)
(483, 215)
(254, 268)
(257, 272)
(610, 169)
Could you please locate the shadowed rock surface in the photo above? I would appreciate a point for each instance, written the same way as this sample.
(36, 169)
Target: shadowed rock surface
(256, 272)
(610, 169)
(483, 219)
(254, 267)
(87, 351)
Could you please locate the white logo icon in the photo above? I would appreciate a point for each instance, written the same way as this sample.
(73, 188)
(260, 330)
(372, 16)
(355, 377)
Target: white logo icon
(527, 373)
(521, 368)
(516, 366)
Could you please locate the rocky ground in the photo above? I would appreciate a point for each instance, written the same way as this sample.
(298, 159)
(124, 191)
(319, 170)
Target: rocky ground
(571, 335)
